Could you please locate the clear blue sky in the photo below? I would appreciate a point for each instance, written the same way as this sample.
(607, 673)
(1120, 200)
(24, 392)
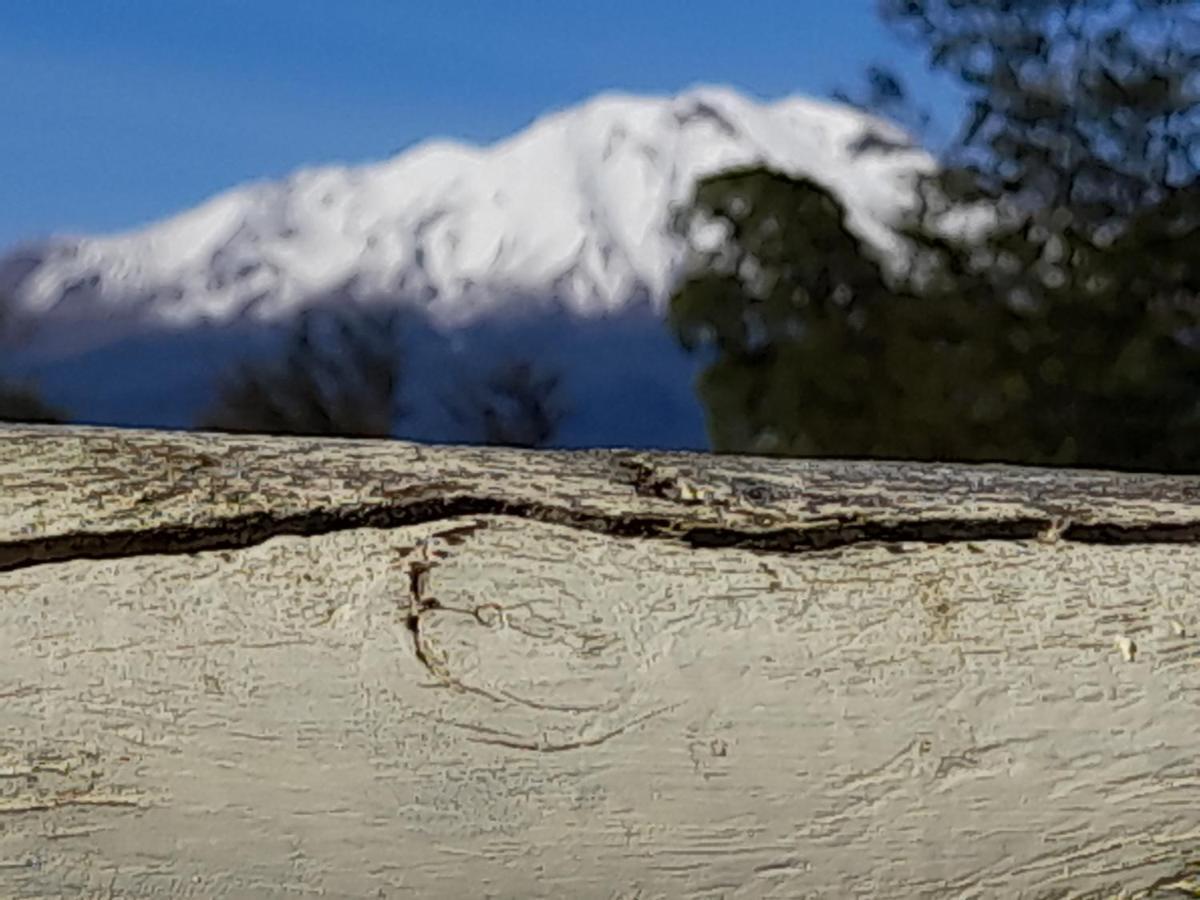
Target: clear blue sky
(117, 112)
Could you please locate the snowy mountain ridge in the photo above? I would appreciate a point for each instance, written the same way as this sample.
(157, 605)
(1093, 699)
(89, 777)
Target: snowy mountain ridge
(574, 209)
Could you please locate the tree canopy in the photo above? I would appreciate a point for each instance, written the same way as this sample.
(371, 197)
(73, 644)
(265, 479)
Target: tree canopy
(1064, 332)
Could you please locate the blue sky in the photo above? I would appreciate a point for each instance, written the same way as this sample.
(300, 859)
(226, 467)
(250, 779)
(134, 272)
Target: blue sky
(117, 112)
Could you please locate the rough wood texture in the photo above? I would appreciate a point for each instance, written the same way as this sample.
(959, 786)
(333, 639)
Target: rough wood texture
(274, 667)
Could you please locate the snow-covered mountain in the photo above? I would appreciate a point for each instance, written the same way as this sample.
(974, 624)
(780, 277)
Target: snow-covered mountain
(574, 210)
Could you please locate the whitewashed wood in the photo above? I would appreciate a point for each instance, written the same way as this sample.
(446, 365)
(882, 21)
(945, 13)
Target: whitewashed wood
(936, 704)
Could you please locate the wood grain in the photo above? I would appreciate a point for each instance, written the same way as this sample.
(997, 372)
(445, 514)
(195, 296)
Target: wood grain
(269, 667)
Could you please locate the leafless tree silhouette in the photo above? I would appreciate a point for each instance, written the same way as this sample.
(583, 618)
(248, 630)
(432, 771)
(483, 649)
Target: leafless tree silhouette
(21, 401)
(514, 406)
(340, 374)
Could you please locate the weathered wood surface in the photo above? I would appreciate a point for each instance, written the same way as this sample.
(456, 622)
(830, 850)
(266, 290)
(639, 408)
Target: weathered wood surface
(274, 667)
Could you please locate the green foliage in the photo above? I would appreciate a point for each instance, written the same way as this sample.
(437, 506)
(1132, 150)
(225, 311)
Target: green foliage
(785, 294)
(885, 96)
(1088, 105)
(1065, 332)
(817, 353)
(514, 406)
(343, 381)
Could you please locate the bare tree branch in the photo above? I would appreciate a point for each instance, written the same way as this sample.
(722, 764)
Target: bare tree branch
(514, 406)
(343, 379)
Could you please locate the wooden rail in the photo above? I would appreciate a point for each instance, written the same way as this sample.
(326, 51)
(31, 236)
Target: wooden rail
(268, 667)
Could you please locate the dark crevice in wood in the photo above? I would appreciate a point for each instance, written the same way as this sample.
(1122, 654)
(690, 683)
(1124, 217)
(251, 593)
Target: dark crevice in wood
(419, 603)
(256, 528)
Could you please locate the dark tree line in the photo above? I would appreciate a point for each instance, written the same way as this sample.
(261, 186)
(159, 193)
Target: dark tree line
(341, 373)
(21, 401)
(1063, 331)
(514, 406)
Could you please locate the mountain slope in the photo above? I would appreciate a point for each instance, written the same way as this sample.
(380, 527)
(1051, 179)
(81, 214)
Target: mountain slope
(574, 210)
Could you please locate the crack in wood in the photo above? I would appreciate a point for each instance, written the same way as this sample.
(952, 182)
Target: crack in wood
(1183, 883)
(419, 603)
(545, 746)
(240, 532)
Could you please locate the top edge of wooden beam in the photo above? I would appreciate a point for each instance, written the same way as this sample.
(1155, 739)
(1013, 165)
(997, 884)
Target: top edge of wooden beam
(59, 481)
